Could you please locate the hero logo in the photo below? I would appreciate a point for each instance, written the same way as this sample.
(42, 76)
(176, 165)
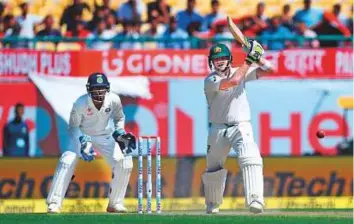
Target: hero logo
(153, 63)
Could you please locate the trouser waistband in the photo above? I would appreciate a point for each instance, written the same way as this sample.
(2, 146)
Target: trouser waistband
(227, 125)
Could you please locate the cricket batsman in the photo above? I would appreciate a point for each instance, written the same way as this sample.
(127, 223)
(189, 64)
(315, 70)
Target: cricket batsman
(90, 128)
(229, 125)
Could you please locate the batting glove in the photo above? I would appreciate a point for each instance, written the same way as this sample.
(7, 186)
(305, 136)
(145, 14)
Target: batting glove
(126, 141)
(256, 51)
(87, 152)
(247, 48)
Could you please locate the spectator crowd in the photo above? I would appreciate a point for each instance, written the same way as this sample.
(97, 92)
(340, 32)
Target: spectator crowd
(126, 23)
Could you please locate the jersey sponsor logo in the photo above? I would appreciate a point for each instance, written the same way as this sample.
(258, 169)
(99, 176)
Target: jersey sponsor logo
(107, 110)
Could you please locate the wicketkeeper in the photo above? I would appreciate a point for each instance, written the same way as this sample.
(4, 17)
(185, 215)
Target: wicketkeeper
(90, 128)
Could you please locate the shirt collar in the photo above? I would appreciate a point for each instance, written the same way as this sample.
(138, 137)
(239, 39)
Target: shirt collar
(105, 102)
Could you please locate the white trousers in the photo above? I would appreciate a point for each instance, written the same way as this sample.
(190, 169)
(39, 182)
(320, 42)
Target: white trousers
(222, 138)
(121, 168)
(240, 138)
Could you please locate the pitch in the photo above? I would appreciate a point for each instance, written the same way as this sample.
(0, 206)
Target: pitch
(322, 216)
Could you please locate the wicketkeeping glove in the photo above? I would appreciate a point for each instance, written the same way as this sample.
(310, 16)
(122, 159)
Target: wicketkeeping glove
(126, 141)
(87, 152)
(255, 53)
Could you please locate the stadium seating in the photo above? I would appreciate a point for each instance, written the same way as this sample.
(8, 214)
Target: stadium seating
(48, 46)
(62, 46)
(235, 8)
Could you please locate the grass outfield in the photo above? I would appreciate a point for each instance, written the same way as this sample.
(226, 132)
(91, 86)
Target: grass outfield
(270, 217)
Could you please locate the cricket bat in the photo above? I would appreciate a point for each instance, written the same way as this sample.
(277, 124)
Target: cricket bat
(238, 35)
(236, 32)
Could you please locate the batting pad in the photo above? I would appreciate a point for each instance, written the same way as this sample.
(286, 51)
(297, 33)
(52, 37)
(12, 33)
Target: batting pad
(62, 177)
(120, 180)
(251, 165)
(214, 186)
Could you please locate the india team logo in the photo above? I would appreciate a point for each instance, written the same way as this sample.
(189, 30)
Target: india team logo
(99, 79)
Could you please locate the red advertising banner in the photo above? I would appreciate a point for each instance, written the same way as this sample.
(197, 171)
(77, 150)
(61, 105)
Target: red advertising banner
(299, 63)
(313, 63)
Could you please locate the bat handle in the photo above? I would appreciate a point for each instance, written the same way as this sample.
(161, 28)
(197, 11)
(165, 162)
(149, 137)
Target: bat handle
(248, 46)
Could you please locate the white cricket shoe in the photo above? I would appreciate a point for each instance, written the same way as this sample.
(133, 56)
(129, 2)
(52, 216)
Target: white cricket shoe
(212, 208)
(53, 208)
(117, 208)
(256, 207)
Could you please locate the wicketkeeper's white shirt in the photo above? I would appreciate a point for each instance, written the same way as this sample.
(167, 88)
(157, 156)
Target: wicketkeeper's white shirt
(86, 119)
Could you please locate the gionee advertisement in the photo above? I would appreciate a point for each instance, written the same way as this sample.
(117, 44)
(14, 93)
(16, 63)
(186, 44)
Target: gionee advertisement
(304, 63)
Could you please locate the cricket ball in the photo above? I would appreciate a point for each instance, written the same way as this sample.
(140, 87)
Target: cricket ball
(320, 134)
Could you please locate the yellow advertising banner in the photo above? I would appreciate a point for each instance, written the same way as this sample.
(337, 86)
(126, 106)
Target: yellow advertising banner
(181, 178)
(175, 204)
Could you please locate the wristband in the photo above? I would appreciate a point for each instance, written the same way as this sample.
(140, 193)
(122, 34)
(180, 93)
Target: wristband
(267, 65)
(118, 132)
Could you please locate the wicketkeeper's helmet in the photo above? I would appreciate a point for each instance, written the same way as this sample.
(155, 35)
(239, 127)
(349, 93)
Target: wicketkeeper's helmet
(97, 86)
